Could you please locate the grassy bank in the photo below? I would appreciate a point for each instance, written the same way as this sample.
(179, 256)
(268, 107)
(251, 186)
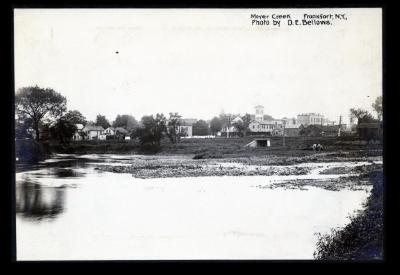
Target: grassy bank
(362, 238)
(97, 147)
(224, 147)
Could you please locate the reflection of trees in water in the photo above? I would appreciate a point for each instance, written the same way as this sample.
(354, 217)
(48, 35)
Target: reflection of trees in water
(36, 201)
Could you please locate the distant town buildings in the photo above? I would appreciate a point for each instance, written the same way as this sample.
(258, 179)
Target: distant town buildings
(313, 124)
(310, 119)
(94, 132)
(262, 123)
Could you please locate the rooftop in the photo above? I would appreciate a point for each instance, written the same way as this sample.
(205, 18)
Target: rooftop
(93, 128)
(310, 114)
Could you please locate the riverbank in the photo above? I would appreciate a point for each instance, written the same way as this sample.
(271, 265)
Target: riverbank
(362, 238)
(211, 148)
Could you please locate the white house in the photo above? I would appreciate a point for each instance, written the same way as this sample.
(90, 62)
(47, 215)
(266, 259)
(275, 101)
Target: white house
(273, 127)
(110, 131)
(79, 134)
(185, 127)
(185, 130)
(93, 132)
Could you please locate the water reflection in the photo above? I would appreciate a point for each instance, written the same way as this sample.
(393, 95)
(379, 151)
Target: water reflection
(37, 202)
(222, 217)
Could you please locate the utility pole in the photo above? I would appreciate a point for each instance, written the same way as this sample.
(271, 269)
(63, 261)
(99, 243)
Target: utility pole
(283, 138)
(229, 125)
(340, 123)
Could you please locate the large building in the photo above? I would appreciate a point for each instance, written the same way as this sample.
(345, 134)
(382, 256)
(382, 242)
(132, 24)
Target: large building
(310, 119)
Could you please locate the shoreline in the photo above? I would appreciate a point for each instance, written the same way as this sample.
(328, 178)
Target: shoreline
(362, 238)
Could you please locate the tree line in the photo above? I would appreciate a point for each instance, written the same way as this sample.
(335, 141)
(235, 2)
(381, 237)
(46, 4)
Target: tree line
(44, 112)
(41, 113)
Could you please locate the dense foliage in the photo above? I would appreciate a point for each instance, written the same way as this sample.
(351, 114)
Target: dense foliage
(200, 128)
(35, 103)
(152, 129)
(102, 121)
(172, 127)
(75, 117)
(215, 125)
(127, 122)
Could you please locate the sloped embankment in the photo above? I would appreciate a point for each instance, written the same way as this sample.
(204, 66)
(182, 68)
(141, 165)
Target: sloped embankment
(362, 238)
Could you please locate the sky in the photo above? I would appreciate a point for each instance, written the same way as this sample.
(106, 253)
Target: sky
(199, 62)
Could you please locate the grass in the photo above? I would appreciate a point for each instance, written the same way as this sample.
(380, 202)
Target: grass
(98, 147)
(221, 147)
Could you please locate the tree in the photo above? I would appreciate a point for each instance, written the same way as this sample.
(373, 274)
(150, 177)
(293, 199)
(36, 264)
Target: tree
(127, 122)
(239, 125)
(377, 105)
(362, 115)
(200, 128)
(226, 119)
(246, 122)
(75, 117)
(102, 121)
(63, 130)
(215, 125)
(152, 129)
(36, 103)
(173, 124)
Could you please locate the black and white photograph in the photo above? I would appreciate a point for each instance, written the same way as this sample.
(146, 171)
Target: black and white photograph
(198, 134)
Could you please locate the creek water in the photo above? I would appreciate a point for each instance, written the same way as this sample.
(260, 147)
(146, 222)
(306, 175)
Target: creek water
(70, 211)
